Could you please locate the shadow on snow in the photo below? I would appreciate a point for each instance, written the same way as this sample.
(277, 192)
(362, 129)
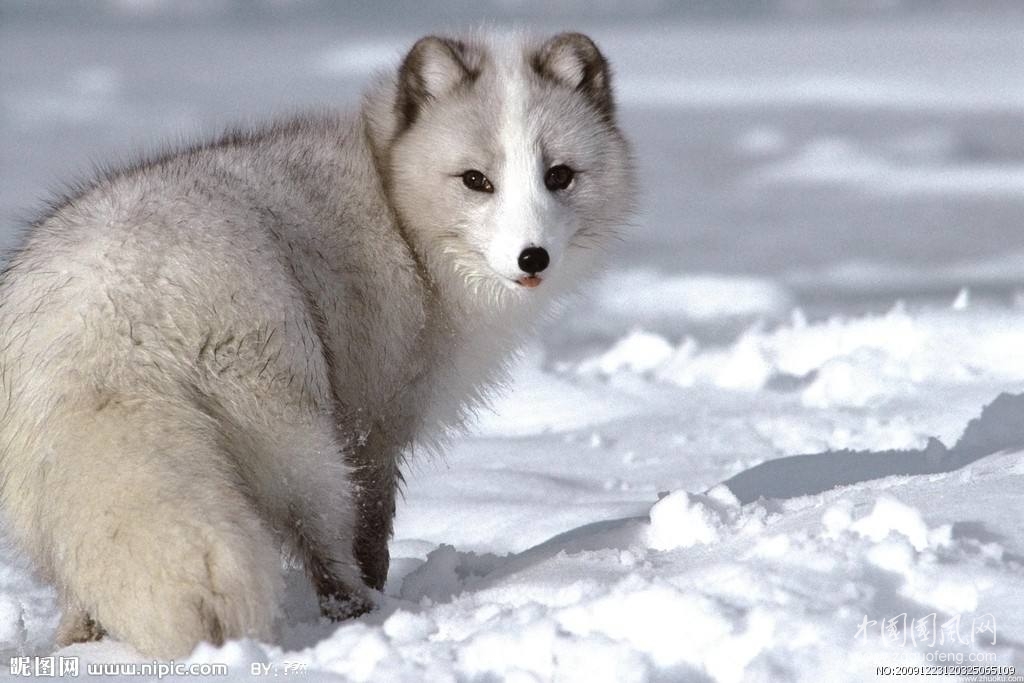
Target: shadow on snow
(999, 428)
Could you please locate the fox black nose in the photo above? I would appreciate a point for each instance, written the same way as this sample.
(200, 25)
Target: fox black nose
(534, 260)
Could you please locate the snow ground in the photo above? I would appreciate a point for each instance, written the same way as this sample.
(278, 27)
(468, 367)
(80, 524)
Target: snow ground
(633, 509)
(584, 532)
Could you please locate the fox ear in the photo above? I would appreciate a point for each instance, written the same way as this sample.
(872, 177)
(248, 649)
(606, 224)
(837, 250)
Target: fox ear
(434, 67)
(573, 59)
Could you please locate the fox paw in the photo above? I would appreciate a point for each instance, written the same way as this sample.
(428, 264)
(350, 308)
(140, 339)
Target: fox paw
(77, 626)
(341, 607)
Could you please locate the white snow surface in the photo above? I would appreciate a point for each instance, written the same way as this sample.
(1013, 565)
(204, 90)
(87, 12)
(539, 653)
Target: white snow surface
(599, 542)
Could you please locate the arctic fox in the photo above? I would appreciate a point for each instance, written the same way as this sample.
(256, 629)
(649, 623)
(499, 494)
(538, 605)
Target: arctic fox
(229, 349)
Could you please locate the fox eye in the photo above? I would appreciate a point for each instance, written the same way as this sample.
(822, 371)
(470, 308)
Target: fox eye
(558, 177)
(475, 180)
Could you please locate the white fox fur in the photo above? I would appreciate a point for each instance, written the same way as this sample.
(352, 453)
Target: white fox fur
(229, 348)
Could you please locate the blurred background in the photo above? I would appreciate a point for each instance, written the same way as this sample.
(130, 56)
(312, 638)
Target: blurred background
(833, 155)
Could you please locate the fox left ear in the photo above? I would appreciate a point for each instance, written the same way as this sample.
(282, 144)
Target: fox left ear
(573, 59)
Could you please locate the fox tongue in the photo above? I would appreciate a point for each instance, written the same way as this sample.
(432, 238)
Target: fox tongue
(529, 281)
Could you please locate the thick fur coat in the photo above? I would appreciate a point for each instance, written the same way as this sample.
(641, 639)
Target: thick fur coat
(230, 348)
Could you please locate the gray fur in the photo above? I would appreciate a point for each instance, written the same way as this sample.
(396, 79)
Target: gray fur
(233, 346)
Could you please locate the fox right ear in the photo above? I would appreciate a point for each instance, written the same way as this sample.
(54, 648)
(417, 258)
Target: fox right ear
(433, 68)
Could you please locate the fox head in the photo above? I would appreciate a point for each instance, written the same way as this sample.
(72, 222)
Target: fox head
(504, 162)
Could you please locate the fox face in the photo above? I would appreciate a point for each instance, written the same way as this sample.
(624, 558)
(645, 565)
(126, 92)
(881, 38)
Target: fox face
(507, 169)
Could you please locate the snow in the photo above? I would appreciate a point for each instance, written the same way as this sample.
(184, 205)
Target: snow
(646, 295)
(891, 516)
(786, 417)
(681, 519)
(831, 161)
(638, 353)
(514, 559)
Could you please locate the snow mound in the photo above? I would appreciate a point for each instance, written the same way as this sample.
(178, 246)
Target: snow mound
(640, 352)
(839, 362)
(891, 516)
(681, 519)
(445, 574)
